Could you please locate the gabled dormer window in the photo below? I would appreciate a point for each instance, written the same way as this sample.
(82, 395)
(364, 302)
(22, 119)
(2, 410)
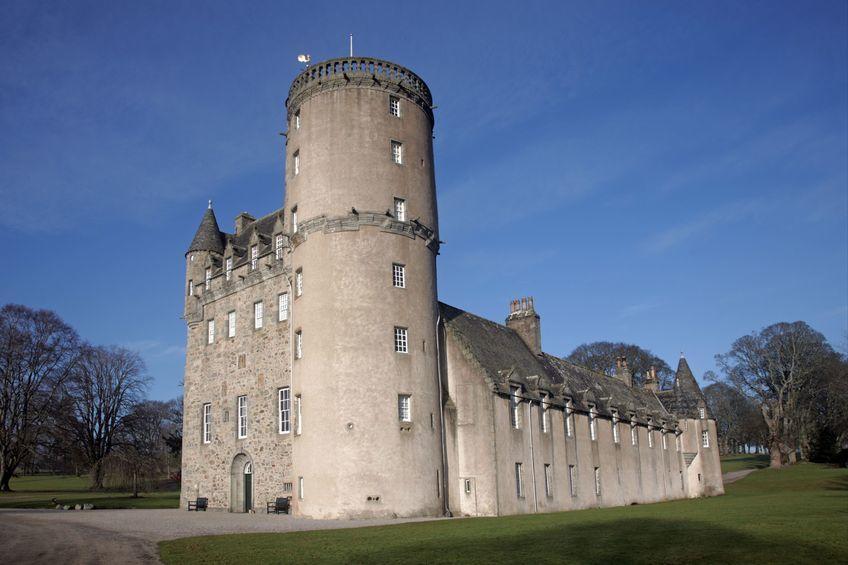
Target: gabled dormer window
(543, 414)
(615, 435)
(593, 424)
(569, 418)
(515, 406)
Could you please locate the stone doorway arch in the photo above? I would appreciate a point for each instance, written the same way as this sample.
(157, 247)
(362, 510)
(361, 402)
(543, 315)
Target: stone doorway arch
(241, 484)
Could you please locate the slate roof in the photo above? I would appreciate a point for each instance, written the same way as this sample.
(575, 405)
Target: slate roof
(505, 359)
(208, 236)
(685, 397)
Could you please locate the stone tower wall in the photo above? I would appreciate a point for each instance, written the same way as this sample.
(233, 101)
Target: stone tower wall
(355, 456)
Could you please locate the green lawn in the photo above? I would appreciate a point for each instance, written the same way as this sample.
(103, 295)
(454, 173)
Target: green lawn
(743, 461)
(797, 515)
(37, 491)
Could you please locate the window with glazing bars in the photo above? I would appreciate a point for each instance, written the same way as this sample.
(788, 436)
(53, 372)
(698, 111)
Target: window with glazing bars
(211, 334)
(404, 408)
(298, 283)
(598, 481)
(208, 279)
(394, 106)
(283, 307)
(298, 344)
(519, 480)
(231, 324)
(278, 246)
(401, 343)
(397, 152)
(207, 423)
(242, 416)
(400, 209)
(398, 275)
(258, 315)
(254, 254)
(705, 438)
(285, 410)
(228, 268)
(572, 480)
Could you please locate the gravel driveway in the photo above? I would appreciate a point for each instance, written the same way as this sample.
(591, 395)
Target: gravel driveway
(130, 536)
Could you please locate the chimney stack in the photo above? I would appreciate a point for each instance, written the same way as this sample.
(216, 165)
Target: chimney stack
(622, 372)
(242, 221)
(651, 382)
(524, 320)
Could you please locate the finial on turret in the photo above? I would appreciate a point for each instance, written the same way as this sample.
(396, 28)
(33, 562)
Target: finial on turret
(210, 203)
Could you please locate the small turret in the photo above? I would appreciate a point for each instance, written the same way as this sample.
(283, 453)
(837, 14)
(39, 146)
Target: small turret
(526, 322)
(208, 236)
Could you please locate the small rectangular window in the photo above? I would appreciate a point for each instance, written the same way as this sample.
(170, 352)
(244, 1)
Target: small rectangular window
(705, 438)
(242, 417)
(615, 436)
(593, 425)
(401, 341)
(283, 307)
(397, 152)
(284, 398)
(569, 419)
(231, 324)
(207, 423)
(297, 162)
(298, 283)
(211, 333)
(519, 480)
(702, 412)
(394, 106)
(297, 120)
(294, 219)
(664, 441)
(572, 480)
(598, 481)
(254, 254)
(400, 209)
(228, 268)
(515, 407)
(677, 443)
(258, 315)
(549, 480)
(650, 436)
(467, 486)
(300, 488)
(405, 408)
(298, 415)
(278, 246)
(298, 344)
(543, 414)
(398, 275)
(208, 279)
(191, 288)
(633, 433)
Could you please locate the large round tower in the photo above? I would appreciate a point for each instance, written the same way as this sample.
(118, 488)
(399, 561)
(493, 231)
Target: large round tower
(361, 203)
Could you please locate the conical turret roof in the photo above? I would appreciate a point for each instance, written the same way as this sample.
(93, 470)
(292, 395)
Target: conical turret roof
(208, 236)
(687, 392)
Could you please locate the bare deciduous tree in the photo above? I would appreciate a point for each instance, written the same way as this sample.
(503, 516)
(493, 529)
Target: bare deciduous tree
(777, 366)
(37, 353)
(601, 356)
(107, 383)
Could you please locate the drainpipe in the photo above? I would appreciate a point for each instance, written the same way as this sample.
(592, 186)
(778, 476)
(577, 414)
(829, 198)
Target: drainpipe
(442, 434)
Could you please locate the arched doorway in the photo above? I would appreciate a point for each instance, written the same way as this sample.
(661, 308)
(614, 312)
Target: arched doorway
(241, 481)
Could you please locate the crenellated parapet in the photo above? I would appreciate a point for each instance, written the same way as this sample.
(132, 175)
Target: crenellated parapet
(359, 72)
(355, 221)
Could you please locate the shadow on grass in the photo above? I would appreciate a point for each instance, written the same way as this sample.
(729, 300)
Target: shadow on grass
(840, 483)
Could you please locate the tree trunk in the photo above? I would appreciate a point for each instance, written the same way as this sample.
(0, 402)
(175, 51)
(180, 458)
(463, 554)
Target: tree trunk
(97, 473)
(775, 455)
(5, 477)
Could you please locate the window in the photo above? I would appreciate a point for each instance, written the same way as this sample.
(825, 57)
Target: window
(394, 106)
(569, 419)
(549, 485)
(633, 433)
(598, 481)
(664, 441)
(650, 436)
(514, 407)
(254, 254)
(297, 120)
(397, 152)
(242, 417)
(297, 162)
(702, 412)
(258, 315)
(287, 487)
(615, 436)
(207, 423)
(401, 344)
(298, 283)
(300, 488)
(298, 344)
(543, 414)
(283, 307)
(519, 480)
(572, 480)
(191, 288)
(228, 268)
(211, 334)
(467, 486)
(398, 276)
(294, 219)
(681, 480)
(593, 425)
(208, 279)
(705, 438)
(298, 418)
(278, 246)
(285, 410)
(231, 324)
(677, 443)
(404, 408)
(400, 209)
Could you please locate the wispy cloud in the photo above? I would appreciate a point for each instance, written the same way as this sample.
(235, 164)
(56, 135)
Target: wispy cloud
(634, 310)
(698, 226)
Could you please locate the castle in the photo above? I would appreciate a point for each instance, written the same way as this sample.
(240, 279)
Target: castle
(321, 366)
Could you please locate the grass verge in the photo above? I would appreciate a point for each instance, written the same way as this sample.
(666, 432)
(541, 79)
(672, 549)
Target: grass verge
(38, 491)
(741, 462)
(796, 514)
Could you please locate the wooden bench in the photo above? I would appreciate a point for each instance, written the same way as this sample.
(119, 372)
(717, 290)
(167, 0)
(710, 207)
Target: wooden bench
(280, 505)
(198, 505)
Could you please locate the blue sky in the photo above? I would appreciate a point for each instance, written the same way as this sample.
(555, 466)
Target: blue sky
(672, 174)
